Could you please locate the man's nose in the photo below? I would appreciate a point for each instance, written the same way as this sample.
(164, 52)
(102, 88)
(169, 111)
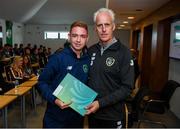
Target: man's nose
(78, 38)
(103, 27)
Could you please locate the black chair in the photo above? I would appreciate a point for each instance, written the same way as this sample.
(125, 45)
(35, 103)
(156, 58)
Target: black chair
(134, 105)
(159, 105)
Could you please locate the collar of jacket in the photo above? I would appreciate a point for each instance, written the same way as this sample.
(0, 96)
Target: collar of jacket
(114, 46)
(71, 52)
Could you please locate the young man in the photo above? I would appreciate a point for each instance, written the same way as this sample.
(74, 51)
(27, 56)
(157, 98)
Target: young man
(73, 60)
(110, 75)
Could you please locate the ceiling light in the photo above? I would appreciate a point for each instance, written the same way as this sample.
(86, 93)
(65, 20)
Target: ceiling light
(119, 28)
(131, 17)
(122, 25)
(125, 22)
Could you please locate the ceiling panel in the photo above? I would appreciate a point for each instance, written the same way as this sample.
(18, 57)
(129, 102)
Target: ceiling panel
(137, 8)
(17, 10)
(67, 11)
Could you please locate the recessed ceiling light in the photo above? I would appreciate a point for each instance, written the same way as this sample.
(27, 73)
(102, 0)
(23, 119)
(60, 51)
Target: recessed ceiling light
(131, 17)
(125, 22)
(122, 25)
(119, 28)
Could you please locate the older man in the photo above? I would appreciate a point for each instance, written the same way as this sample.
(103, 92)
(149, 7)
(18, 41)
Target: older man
(111, 74)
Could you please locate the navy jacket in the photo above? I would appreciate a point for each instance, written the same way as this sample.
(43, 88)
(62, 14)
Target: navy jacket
(58, 66)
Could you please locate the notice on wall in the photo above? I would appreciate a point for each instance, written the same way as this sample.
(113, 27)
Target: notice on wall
(174, 50)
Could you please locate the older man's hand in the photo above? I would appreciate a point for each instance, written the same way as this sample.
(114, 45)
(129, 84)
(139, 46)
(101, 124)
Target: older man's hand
(92, 108)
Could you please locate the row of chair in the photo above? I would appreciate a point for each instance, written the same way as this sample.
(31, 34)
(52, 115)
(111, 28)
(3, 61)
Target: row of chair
(145, 102)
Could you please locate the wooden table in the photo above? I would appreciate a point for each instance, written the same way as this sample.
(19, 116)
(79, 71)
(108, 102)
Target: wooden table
(31, 84)
(35, 78)
(20, 92)
(4, 101)
(28, 84)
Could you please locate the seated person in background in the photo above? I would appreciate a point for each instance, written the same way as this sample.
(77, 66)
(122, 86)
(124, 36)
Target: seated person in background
(21, 50)
(27, 69)
(15, 49)
(4, 86)
(6, 51)
(49, 51)
(27, 52)
(16, 69)
(41, 57)
(34, 56)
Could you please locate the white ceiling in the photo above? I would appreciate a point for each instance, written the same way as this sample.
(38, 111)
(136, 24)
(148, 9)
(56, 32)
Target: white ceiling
(67, 11)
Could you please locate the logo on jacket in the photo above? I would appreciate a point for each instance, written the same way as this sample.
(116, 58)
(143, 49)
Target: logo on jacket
(85, 68)
(69, 68)
(92, 58)
(131, 63)
(110, 61)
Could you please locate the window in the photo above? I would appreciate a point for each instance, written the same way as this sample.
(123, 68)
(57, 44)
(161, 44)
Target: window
(55, 35)
(174, 50)
(63, 35)
(51, 35)
(177, 35)
(1, 35)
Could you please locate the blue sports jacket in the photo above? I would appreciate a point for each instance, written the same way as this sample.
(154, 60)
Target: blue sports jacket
(58, 66)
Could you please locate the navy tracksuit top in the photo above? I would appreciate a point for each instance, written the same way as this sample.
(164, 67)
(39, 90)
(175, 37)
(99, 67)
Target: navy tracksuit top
(58, 66)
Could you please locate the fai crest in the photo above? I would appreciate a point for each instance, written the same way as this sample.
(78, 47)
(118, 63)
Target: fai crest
(110, 61)
(85, 68)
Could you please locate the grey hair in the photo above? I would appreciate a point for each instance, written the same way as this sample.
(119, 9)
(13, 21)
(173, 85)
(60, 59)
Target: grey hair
(111, 13)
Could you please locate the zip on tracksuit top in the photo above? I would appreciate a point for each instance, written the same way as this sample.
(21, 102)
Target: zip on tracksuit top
(58, 66)
(111, 75)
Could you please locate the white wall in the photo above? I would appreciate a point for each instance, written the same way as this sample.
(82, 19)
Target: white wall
(174, 70)
(18, 33)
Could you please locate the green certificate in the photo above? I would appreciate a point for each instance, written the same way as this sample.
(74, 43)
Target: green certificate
(72, 90)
